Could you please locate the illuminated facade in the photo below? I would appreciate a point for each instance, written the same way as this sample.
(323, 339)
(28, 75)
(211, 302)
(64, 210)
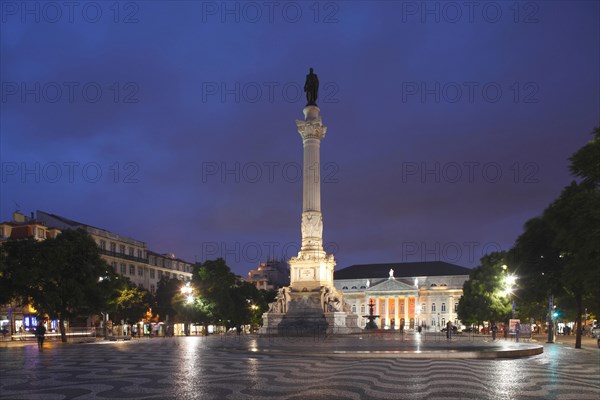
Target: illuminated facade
(128, 257)
(406, 295)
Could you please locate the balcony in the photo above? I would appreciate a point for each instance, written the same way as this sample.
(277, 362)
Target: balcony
(122, 256)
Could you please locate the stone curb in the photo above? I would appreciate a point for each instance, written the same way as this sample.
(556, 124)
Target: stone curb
(423, 354)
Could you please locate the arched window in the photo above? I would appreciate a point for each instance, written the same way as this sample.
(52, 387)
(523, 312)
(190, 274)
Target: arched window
(443, 321)
(443, 307)
(363, 287)
(345, 288)
(354, 308)
(432, 307)
(353, 287)
(433, 285)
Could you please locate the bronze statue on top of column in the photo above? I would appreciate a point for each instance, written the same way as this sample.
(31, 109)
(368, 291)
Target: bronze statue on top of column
(311, 87)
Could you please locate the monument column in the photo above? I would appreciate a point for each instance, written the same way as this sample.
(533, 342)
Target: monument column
(312, 268)
(311, 301)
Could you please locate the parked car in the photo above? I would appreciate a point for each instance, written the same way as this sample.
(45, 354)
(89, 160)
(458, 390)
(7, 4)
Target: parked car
(596, 331)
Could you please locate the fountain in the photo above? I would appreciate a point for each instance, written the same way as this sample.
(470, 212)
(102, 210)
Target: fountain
(371, 318)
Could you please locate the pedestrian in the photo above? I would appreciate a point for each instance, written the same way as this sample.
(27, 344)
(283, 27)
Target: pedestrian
(494, 329)
(517, 330)
(40, 331)
(449, 330)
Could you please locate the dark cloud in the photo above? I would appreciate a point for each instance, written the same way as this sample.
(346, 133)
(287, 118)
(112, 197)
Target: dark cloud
(390, 188)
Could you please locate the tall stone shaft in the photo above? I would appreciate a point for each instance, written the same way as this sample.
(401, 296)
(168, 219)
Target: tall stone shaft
(312, 131)
(312, 268)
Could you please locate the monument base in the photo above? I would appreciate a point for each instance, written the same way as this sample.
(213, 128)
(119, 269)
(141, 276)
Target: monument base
(302, 313)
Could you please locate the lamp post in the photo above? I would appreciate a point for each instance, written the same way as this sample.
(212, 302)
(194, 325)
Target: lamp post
(189, 299)
(509, 287)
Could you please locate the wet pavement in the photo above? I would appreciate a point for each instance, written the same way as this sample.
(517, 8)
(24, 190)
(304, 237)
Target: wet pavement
(207, 368)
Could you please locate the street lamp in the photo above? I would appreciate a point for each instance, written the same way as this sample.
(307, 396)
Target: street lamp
(509, 283)
(186, 291)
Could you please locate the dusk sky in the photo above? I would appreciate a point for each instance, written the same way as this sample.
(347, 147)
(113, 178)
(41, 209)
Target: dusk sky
(173, 122)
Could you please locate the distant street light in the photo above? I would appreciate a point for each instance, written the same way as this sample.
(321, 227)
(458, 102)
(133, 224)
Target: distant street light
(509, 283)
(189, 298)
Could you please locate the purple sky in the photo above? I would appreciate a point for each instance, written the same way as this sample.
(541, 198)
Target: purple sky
(448, 127)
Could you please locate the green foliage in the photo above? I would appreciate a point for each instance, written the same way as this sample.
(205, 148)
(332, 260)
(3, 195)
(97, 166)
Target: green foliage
(483, 296)
(585, 163)
(62, 277)
(166, 289)
(559, 252)
(222, 298)
(132, 303)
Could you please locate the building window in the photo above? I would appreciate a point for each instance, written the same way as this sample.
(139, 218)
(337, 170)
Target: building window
(455, 307)
(353, 287)
(152, 289)
(114, 265)
(103, 245)
(131, 269)
(423, 308)
(131, 251)
(354, 308)
(122, 248)
(432, 322)
(443, 307)
(160, 274)
(432, 307)
(433, 285)
(113, 247)
(152, 273)
(139, 253)
(123, 269)
(362, 309)
(345, 288)
(443, 321)
(140, 270)
(41, 233)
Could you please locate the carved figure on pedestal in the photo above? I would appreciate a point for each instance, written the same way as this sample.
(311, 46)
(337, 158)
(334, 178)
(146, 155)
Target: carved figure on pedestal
(325, 294)
(336, 304)
(286, 298)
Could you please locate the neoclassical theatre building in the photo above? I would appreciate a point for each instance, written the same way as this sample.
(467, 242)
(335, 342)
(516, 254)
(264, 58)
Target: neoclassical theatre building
(407, 295)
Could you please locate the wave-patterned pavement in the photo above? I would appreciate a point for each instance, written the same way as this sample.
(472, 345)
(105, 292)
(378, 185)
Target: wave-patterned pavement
(194, 368)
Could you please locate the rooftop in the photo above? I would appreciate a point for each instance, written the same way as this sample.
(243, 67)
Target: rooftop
(401, 270)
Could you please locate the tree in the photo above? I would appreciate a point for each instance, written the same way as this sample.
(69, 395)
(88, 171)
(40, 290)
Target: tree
(166, 290)
(484, 297)
(558, 252)
(539, 265)
(20, 266)
(132, 303)
(224, 298)
(62, 277)
(212, 281)
(585, 163)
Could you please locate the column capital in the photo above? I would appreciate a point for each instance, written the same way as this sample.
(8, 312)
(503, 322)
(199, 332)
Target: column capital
(312, 127)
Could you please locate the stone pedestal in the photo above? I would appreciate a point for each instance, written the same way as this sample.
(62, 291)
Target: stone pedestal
(310, 313)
